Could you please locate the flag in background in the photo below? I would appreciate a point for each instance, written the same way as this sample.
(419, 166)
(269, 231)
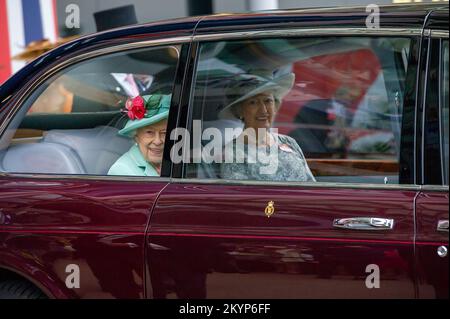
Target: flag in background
(21, 22)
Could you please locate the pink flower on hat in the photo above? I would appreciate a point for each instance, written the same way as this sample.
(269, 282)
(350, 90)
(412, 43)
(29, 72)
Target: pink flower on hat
(135, 108)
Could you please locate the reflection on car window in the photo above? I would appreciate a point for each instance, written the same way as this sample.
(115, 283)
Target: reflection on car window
(78, 122)
(342, 112)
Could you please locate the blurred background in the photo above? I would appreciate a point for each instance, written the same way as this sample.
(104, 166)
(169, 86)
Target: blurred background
(29, 28)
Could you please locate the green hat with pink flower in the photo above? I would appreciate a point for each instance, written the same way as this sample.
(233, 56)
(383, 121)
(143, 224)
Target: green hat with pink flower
(145, 110)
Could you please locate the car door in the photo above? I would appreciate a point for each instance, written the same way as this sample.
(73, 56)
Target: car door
(349, 234)
(432, 203)
(64, 224)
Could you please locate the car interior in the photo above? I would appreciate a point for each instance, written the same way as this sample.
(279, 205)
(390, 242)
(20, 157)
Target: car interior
(70, 125)
(82, 138)
(374, 71)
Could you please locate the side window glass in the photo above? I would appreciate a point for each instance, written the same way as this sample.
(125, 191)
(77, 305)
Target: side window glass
(444, 110)
(332, 108)
(103, 116)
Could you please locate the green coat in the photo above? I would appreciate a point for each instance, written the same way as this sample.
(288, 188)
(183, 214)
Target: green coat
(132, 163)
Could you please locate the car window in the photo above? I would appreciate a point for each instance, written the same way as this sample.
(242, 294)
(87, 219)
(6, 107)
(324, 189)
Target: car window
(78, 121)
(337, 107)
(444, 110)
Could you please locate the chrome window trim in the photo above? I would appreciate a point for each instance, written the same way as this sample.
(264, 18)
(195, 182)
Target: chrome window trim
(221, 36)
(214, 181)
(398, 187)
(424, 112)
(416, 109)
(441, 106)
(418, 32)
(82, 57)
(87, 177)
(295, 184)
(309, 32)
(435, 188)
(439, 34)
(443, 41)
(337, 10)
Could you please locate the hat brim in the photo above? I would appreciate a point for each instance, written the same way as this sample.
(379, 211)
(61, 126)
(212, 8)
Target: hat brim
(133, 125)
(279, 87)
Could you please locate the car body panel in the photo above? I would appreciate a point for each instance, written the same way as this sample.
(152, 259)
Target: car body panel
(221, 232)
(431, 208)
(99, 226)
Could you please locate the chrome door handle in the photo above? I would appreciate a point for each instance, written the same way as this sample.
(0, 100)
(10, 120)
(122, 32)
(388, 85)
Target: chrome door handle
(442, 225)
(364, 223)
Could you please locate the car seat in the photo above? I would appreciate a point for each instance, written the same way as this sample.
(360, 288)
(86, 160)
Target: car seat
(98, 148)
(46, 158)
(77, 151)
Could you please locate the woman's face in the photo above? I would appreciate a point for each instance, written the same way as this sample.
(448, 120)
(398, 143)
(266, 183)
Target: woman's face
(150, 140)
(258, 111)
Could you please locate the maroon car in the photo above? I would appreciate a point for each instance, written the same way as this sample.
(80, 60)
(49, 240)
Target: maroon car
(368, 107)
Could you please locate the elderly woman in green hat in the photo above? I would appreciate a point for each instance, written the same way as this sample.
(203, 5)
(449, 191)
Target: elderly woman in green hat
(147, 126)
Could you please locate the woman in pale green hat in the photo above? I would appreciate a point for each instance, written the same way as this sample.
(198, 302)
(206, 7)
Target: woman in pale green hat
(255, 100)
(147, 126)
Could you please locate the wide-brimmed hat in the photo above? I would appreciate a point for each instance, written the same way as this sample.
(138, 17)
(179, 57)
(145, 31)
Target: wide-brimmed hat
(247, 85)
(145, 110)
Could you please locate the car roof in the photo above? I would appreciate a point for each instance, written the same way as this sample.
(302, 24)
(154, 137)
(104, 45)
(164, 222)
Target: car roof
(391, 16)
(395, 15)
(407, 16)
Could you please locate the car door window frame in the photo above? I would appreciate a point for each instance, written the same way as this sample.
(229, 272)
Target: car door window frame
(35, 85)
(444, 65)
(430, 152)
(415, 35)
